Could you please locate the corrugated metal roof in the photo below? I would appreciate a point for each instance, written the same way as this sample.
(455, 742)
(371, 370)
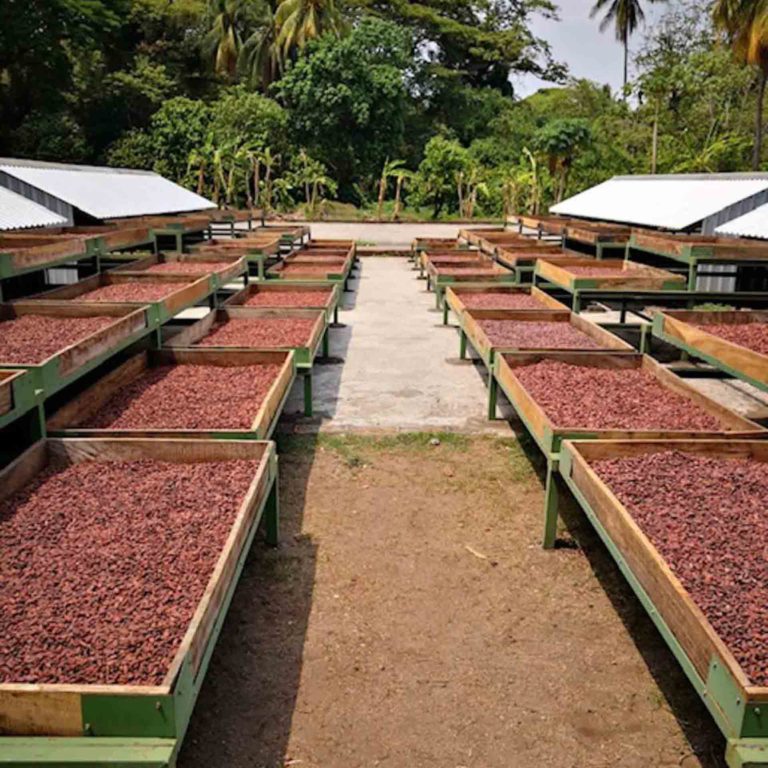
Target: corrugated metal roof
(106, 192)
(668, 202)
(752, 224)
(16, 212)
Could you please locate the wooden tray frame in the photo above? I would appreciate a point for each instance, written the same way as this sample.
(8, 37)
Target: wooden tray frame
(125, 724)
(330, 305)
(550, 437)
(678, 327)
(453, 293)
(233, 268)
(191, 291)
(471, 331)
(734, 703)
(629, 276)
(65, 422)
(70, 363)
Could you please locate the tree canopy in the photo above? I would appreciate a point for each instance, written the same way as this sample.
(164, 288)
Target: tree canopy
(290, 102)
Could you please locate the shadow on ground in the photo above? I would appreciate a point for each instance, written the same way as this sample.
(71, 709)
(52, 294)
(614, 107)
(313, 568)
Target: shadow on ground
(244, 713)
(576, 532)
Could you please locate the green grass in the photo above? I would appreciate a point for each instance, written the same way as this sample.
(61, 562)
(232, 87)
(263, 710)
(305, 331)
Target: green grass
(357, 450)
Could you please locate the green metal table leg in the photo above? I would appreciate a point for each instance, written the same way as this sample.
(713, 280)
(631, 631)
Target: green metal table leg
(644, 339)
(260, 268)
(576, 303)
(462, 345)
(445, 313)
(326, 344)
(336, 315)
(272, 517)
(308, 393)
(437, 298)
(693, 271)
(493, 396)
(551, 502)
(179, 242)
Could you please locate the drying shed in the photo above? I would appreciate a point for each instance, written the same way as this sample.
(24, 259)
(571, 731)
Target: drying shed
(85, 194)
(681, 203)
(18, 212)
(753, 224)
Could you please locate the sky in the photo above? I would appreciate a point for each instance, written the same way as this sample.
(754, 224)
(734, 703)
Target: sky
(576, 40)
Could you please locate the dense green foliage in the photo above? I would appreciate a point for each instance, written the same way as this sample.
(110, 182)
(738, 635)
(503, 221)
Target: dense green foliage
(288, 102)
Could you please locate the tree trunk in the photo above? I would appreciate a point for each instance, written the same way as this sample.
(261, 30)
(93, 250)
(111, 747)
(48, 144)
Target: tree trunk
(626, 58)
(201, 179)
(248, 196)
(268, 186)
(382, 192)
(256, 181)
(758, 150)
(655, 139)
(398, 192)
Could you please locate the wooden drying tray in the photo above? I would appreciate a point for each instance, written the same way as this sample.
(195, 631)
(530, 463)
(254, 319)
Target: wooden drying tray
(304, 355)
(311, 272)
(470, 330)
(473, 236)
(72, 362)
(188, 292)
(736, 705)
(143, 725)
(240, 246)
(548, 225)
(328, 295)
(549, 436)
(628, 276)
(17, 395)
(23, 252)
(682, 329)
(592, 234)
(454, 294)
(690, 249)
(231, 267)
(67, 421)
(227, 215)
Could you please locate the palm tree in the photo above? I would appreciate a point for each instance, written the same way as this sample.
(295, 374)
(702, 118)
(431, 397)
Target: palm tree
(627, 15)
(223, 41)
(745, 22)
(389, 171)
(260, 57)
(299, 21)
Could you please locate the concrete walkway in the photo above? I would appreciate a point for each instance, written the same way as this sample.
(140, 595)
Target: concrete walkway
(400, 366)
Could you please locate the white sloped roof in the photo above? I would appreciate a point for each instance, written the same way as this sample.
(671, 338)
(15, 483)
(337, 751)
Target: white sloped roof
(667, 202)
(106, 193)
(17, 212)
(752, 224)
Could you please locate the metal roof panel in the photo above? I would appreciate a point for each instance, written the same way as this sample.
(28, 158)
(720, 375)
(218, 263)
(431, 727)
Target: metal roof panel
(107, 192)
(752, 224)
(17, 212)
(668, 202)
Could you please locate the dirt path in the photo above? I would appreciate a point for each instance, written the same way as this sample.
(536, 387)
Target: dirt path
(411, 619)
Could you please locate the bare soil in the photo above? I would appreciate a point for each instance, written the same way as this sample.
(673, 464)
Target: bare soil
(411, 619)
